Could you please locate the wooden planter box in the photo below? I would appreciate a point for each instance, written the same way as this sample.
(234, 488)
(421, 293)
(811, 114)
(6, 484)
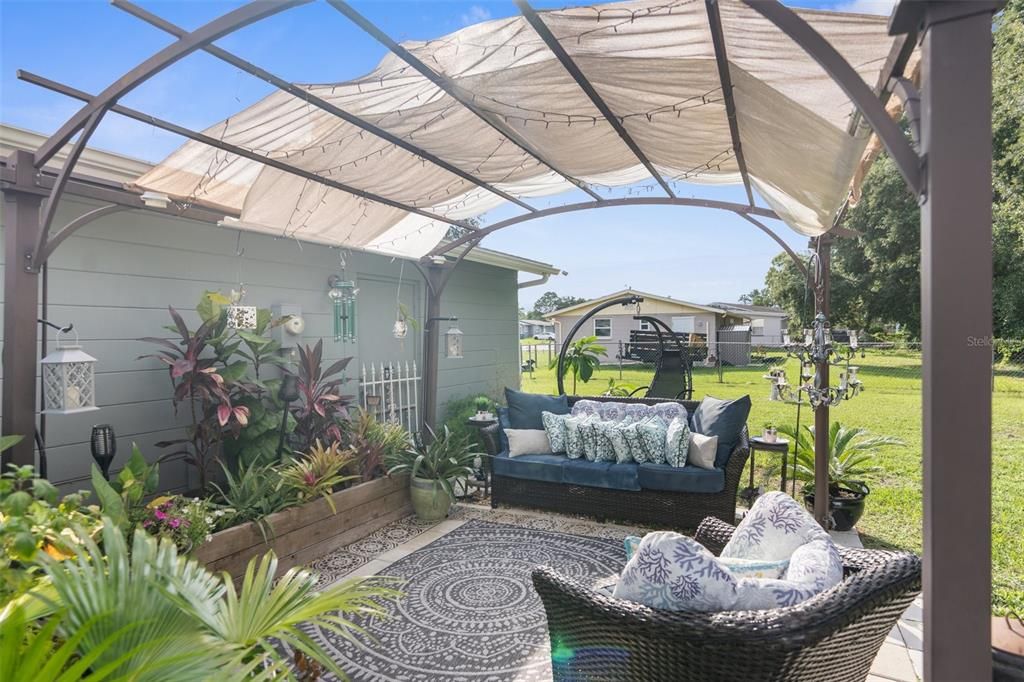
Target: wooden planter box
(302, 534)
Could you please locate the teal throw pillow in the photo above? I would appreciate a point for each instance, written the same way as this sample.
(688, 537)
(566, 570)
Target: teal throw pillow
(653, 434)
(677, 441)
(524, 409)
(554, 426)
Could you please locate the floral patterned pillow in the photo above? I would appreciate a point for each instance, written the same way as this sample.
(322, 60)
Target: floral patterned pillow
(554, 426)
(597, 442)
(574, 447)
(677, 441)
(671, 571)
(669, 411)
(653, 436)
(616, 434)
(773, 529)
(611, 411)
(813, 568)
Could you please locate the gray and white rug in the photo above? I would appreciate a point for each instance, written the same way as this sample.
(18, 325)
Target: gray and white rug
(470, 611)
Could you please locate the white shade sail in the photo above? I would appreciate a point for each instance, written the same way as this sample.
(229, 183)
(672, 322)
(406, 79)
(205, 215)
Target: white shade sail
(652, 61)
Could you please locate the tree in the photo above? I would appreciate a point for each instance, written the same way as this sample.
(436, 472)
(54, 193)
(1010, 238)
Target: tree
(549, 301)
(757, 297)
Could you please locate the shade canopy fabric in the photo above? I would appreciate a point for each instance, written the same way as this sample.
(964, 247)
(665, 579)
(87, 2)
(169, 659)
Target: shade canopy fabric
(652, 61)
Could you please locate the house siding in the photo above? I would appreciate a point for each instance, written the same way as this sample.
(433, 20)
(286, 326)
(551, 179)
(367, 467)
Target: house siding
(115, 278)
(623, 323)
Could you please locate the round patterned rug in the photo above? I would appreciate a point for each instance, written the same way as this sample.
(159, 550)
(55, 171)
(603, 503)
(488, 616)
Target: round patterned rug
(470, 611)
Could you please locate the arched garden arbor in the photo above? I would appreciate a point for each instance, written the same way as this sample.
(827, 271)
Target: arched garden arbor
(744, 91)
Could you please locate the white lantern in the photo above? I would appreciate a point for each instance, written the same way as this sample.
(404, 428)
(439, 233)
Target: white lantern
(453, 341)
(69, 381)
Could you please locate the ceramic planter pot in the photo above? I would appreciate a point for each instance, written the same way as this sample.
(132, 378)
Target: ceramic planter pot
(770, 435)
(429, 500)
(845, 510)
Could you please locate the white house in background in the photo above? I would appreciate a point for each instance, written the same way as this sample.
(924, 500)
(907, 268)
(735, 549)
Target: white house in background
(528, 329)
(767, 323)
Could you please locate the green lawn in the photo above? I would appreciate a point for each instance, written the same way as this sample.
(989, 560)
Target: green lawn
(890, 405)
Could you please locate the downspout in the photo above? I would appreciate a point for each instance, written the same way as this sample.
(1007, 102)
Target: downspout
(535, 282)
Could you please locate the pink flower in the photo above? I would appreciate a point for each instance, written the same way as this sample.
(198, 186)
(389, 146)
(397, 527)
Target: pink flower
(310, 479)
(160, 515)
(174, 523)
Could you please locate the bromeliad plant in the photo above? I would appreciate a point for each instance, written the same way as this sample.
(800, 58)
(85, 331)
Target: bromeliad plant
(582, 359)
(852, 454)
(317, 473)
(371, 443)
(444, 458)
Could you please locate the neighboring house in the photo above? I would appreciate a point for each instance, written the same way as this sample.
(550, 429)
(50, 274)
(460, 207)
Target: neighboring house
(613, 325)
(115, 278)
(767, 324)
(530, 328)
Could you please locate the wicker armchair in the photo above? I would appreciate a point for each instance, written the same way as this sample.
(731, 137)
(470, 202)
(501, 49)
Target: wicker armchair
(653, 507)
(834, 636)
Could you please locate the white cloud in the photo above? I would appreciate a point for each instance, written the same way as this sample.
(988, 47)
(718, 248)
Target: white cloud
(883, 7)
(475, 15)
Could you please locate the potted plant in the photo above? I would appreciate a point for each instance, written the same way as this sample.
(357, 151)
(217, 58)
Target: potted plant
(483, 408)
(434, 468)
(770, 433)
(852, 453)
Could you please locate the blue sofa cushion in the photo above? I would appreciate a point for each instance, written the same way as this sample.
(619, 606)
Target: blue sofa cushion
(504, 423)
(530, 467)
(687, 479)
(722, 418)
(600, 474)
(524, 408)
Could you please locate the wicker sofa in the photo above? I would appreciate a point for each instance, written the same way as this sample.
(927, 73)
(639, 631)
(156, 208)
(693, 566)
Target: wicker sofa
(681, 510)
(833, 636)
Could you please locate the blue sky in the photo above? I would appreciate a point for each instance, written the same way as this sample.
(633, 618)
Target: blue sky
(691, 254)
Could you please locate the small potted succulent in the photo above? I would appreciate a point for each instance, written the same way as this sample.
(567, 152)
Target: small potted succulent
(852, 452)
(434, 468)
(771, 432)
(483, 406)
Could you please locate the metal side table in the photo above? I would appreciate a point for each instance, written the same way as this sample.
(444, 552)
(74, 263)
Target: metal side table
(780, 446)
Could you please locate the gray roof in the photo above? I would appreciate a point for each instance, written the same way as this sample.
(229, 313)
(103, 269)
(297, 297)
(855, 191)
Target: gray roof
(745, 307)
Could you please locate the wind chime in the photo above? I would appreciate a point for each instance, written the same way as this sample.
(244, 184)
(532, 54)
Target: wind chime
(343, 292)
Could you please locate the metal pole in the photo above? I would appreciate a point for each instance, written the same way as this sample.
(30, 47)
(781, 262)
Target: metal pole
(956, 326)
(21, 300)
(434, 275)
(822, 305)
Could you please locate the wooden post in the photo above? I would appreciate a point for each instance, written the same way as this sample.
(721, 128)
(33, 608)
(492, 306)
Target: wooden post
(435, 279)
(21, 308)
(822, 305)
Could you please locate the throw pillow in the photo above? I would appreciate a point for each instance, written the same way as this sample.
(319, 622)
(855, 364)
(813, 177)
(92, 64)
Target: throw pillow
(652, 437)
(573, 437)
(813, 568)
(524, 409)
(610, 410)
(755, 568)
(701, 452)
(669, 411)
(631, 543)
(674, 572)
(617, 435)
(773, 529)
(527, 442)
(599, 441)
(677, 441)
(554, 426)
(722, 418)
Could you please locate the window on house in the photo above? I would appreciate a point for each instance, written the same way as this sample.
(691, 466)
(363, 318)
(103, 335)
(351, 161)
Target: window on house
(757, 327)
(603, 327)
(683, 325)
(645, 326)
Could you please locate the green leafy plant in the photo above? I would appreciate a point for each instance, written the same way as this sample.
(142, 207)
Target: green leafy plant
(457, 413)
(33, 523)
(123, 499)
(582, 359)
(252, 494)
(444, 458)
(317, 473)
(852, 453)
(619, 390)
(483, 404)
(156, 615)
(187, 521)
(322, 409)
(370, 442)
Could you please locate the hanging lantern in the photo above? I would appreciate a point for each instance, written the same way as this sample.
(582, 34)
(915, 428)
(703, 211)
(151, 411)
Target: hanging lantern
(401, 329)
(453, 343)
(343, 297)
(240, 316)
(69, 381)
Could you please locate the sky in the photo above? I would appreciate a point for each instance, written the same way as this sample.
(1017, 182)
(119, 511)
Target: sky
(691, 254)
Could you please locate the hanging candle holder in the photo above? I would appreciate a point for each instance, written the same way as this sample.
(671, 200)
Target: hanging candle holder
(69, 379)
(342, 293)
(453, 343)
(241, 316)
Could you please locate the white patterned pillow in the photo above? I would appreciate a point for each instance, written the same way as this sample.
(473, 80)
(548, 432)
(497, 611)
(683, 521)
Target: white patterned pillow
(773, 529)
(671, 571)
(813, 568)
(669, 411)
(617, 436)
(677, 441)
(611, 411)
(597, 446)
(653, 436)
(573, 436)
(554, 426)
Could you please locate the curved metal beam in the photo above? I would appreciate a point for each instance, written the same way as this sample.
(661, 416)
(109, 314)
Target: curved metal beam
(574, 70)
(306, 96)
(741, 209)
(840, 71)
(445, 83)
(196, 40)
(41, 256)
(623, 300)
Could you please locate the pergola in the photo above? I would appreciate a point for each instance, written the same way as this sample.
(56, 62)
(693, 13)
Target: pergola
(788, 103)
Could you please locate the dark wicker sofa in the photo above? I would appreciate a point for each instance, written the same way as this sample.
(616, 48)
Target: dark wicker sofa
(834, 636)
(681, 510)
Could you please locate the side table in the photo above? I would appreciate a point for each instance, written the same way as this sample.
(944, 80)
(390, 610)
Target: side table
(482, 474)
(780, 446)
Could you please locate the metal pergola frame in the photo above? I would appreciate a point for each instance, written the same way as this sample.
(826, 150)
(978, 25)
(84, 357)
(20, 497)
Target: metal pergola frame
(950, 176)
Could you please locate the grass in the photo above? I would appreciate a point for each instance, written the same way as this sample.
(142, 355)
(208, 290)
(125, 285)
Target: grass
(890, 405)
